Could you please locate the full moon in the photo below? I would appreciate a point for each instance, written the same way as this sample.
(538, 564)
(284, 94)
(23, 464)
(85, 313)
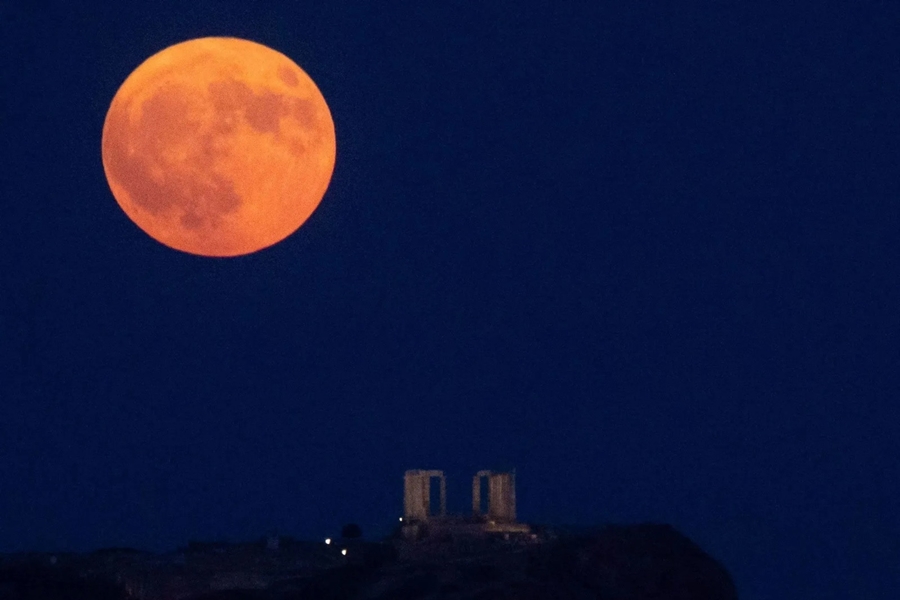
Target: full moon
(218, 146)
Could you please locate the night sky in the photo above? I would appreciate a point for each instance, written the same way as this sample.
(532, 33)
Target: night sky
(646, 255)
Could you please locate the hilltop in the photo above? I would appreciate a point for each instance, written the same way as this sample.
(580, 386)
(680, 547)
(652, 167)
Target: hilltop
(622, 562)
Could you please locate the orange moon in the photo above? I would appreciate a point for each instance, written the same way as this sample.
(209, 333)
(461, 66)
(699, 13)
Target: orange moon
(218, 146)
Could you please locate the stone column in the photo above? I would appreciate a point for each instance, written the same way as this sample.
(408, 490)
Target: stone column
(417, 494)
(502, 499)
(415, 498)
(476, 491)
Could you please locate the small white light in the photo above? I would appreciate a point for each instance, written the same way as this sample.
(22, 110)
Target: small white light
(401, 519)
(327, 540)
(344, 552)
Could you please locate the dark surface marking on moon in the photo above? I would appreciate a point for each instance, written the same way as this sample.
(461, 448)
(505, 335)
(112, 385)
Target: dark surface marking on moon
(229, 95)
(265, 111)
(262, 111)
(305, 112)
(149, 174)
(287, 75)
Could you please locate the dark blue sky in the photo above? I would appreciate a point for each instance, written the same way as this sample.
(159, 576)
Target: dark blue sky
(646, 255)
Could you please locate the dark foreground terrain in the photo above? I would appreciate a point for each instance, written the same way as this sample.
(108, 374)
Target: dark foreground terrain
(615, 563)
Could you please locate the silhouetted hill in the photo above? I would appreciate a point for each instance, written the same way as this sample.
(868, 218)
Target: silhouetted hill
(35, 582)
(635, 562)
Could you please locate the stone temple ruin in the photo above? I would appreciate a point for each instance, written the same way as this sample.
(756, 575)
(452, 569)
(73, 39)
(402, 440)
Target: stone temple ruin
(417, 495)
(421, 520)
(501, 495)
